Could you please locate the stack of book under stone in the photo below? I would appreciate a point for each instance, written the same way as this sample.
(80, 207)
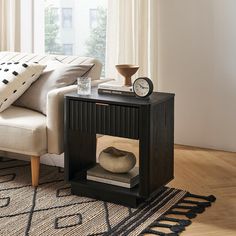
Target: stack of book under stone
(126, 180)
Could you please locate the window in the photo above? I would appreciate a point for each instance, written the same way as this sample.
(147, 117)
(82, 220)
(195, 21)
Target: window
(76, 27)
(55, 14)
(93, 18)
(67, 49)
(66, 17)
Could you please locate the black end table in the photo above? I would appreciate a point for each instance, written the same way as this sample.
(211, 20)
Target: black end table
(151, 121)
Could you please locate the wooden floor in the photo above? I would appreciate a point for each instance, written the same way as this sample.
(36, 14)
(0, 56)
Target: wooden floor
(205, 172)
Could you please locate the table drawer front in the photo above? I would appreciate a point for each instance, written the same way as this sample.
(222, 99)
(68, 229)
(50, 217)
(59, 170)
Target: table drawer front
(117, 120)
(103, 118)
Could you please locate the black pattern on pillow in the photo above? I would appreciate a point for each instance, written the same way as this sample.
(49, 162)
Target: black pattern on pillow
(15, 79)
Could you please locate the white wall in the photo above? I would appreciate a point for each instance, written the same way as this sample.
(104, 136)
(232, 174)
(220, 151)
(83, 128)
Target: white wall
(197, 61)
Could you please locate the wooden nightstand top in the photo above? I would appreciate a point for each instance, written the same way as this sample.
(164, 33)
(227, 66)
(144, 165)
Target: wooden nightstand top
(155, 98)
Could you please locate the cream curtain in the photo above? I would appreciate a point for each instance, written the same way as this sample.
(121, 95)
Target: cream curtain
(132, 36)
(10, 25)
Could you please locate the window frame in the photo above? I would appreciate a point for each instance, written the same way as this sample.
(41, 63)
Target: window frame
(70, 19)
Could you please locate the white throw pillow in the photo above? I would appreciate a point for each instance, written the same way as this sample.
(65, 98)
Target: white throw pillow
(15, 79)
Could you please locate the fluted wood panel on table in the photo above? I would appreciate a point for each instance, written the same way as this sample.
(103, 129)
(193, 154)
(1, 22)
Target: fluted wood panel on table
(106, 119)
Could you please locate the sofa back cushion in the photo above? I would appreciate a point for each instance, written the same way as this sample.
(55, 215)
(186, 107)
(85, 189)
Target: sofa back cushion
(94, 73)
(35, 97)
(56, 75)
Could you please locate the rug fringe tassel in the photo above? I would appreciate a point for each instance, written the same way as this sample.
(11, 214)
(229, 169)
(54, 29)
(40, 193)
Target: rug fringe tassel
(155, 232)
(210, 198)
(196, 207)
(182, 222)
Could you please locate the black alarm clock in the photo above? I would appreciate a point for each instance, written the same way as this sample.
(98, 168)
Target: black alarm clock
(143, 87)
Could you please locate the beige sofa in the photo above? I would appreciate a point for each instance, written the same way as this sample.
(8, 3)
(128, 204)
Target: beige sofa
(25, 132)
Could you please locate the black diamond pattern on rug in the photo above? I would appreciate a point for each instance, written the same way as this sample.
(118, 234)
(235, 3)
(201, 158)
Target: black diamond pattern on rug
(64, 192)
(60, 170)
(68, 221)
(4, 202)
(4, 159)
(51, 209)
(7, 178)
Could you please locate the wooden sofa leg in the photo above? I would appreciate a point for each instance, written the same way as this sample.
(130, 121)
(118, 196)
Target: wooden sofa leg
(35, 164)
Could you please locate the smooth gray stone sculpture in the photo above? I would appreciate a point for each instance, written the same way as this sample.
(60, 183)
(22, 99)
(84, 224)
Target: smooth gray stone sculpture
(116, 161)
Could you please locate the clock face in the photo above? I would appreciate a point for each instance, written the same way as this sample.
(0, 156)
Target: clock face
(143, 87)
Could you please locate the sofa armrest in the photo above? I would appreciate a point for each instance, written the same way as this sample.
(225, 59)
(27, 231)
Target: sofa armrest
(55, 115)
(55, 118)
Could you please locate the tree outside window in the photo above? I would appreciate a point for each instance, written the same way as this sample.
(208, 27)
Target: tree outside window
(96, 44)
(52, 45)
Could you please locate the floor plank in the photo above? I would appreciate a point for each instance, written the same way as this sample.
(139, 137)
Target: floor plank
(205, 171)
(200, 171)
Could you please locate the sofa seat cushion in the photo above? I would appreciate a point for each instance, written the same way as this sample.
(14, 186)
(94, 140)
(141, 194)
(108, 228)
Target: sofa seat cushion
(23, 131)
